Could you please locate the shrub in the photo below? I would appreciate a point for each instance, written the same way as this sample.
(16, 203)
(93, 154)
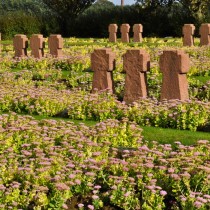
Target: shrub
(21, 24)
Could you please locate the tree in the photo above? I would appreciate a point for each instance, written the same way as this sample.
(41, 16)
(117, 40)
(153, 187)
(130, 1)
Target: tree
(32, 8)
(197, 8)
(155, 3)
(67, 10)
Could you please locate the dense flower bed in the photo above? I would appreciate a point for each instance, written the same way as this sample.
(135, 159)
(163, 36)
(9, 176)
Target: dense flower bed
(78, 104)
(52, 164)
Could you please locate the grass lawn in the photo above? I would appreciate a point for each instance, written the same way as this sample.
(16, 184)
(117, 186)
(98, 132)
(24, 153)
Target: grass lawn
(202, 79)
(169, 136)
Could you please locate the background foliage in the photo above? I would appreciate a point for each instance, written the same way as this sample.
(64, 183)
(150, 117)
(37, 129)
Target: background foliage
(87, 18)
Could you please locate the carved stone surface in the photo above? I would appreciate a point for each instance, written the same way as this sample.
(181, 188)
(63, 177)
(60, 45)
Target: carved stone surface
(103, 63)
(124, 29)
(188, 31)
(20, 43)
(137, 32)
(55, 43)
(37, 45)
(113, 32)
(0, 42)
(135, 63)
(205, 34)
(174, 65)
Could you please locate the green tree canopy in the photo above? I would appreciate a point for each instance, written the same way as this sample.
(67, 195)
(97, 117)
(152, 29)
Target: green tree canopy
(198, 9)
(33, 7)
(67, 10)
(155, 3)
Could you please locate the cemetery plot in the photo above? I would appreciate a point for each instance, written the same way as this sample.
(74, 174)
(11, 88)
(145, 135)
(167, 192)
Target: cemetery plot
(110, 165)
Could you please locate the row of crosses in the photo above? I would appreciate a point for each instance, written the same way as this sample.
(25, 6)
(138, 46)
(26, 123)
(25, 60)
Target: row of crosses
(37, 44)
(188, 31)
(174, 64)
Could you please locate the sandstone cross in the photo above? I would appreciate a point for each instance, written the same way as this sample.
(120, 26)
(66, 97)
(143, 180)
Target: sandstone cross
(113, 32)
(56, 44)
(188, 32)
(174, 65)
(124, 29)
(135, 63)
(137, 32)
(103, 63)
(37, 45)
(205, 34)
(0, 42)
(20, 43)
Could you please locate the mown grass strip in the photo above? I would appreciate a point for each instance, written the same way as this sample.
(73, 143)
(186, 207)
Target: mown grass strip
(169, 136)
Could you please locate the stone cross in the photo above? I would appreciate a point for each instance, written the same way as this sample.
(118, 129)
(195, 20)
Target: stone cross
(113, 32)
(174, 65)
(137, 32)
(188, 31)
(124, 29)
(55, 43)
(0, 43)
(37, 45)
(135, 63)
(205, 34)
(103, 63)
(20, 43)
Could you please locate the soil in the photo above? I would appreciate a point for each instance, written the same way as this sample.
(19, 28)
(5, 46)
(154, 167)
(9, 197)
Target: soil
(73, 204)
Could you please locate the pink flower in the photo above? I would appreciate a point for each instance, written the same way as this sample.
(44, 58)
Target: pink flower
(183, 199)
(114, 187)
(71, 176)
(162, 192)
(64, 206)
(95, 197)
(91, 207)
(97, 187)
(80, 205)
(77, 181)
(171, 170)
(150, 187)
(61, 186)
(127, 194)
(207, 196)
(197, 204)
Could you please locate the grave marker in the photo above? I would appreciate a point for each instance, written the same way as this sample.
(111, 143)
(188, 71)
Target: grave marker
(103, 63)
(37, 45)
(188, 32)
(124, 29)
(137, 32)
(55, 43)
(0, 43)
(135, 63)
(174, 65)
(20, 43)
(205, 34)
(113, 32)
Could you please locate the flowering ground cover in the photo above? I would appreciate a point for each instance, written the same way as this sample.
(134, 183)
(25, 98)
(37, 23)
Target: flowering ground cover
(22, 96)
(149, 133)
(52, 164)
(55, 164)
